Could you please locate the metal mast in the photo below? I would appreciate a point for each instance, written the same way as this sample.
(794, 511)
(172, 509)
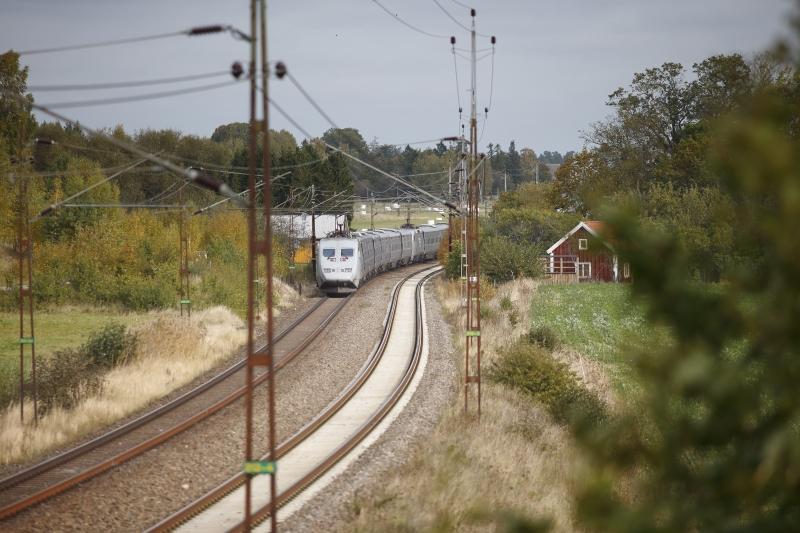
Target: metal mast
(183, 269)
(472, 355)
(259, 248)
(25, 268)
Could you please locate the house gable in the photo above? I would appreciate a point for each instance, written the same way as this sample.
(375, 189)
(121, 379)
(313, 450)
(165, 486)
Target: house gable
(590, 226)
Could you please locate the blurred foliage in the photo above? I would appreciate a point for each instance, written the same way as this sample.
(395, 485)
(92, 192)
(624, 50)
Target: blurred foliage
(713, 443)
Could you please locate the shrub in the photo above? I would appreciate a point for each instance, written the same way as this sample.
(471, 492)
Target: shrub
(487, 313)
(65, 379)
(110, 346)
(532, 370)
(453, 264)
(543, 337)
(504, 260)
(505, 303)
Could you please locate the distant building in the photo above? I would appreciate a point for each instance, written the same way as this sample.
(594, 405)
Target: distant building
(299, 226)
(583, 255)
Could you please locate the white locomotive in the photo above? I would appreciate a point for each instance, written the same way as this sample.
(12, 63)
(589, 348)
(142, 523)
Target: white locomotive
(344, 262)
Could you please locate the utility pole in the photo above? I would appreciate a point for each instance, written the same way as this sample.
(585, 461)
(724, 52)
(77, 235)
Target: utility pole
(183, 269)
(473, 320)
(25, 269)
(258, 248)
(313, 229)
(371, 211)
(505, 181)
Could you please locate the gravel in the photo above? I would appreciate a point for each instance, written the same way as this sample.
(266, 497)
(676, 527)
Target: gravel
(143, 491)
(331, 509)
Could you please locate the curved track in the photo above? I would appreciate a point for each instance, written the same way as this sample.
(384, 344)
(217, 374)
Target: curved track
(57, 474)
(334, 433)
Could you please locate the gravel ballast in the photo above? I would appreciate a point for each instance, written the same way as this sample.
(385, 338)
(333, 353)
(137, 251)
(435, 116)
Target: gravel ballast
(148, 488)
(332, 508)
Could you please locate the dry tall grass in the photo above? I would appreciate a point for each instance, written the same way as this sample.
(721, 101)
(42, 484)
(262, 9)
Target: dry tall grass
(516, 459)
(171, 352)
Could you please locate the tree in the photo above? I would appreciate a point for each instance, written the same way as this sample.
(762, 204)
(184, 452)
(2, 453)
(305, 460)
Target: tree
(236, 132)
(16, 119)
(348, 139)
(711, 440)
(579, 182)
(513, 164)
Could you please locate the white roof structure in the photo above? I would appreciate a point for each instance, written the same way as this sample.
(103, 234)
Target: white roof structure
(299, 226)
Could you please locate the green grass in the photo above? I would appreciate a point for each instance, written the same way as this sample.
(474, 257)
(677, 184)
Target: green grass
(598, 320)
(55, 330)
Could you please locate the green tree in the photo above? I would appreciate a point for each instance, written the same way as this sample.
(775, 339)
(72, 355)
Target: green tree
(712, 442)
(16, 119)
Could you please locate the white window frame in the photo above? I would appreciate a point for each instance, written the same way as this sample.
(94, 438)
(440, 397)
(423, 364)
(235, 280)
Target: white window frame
(583, 244)
(584, 264)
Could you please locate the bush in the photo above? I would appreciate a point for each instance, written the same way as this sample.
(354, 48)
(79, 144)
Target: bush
(503, 260)
(110, 346)
(65, 379)
(505, 303)
(543, 337)
(532, 370)
(453, 264)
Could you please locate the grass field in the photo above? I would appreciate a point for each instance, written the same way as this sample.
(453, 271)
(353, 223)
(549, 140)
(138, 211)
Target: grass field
(55, 330)
(598, 320)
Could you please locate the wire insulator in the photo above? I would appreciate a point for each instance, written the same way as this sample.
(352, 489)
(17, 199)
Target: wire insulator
(280, 70)
(494, 39)
(202, 30)
(452, 39)
(237, 70)
(472, 12)
(486, 110)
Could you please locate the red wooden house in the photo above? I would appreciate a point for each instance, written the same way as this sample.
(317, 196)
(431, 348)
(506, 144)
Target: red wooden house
(582, 255)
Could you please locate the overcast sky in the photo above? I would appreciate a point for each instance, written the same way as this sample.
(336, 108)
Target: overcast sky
(555, 62)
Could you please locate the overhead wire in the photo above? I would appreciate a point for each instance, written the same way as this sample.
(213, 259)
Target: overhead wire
(346, 154)
(127, 84)
(451, 17)
(403, 22)
(190, 175)
(52, 207)
(462, 5)
(198, 30)
(458, 89)
(140, 97)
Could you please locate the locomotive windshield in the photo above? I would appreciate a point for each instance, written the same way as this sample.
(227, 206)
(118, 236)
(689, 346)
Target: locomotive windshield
(328, 252)
(347, 252)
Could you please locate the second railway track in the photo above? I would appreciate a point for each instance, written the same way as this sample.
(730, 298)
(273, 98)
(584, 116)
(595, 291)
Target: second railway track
(57, 474)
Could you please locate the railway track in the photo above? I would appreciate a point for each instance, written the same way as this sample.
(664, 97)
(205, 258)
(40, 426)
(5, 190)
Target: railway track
(57, 474)
(315, 449)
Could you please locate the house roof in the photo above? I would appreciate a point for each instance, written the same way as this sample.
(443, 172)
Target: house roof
(594, 227)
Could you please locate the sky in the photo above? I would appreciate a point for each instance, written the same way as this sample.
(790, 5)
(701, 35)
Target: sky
(554, 64)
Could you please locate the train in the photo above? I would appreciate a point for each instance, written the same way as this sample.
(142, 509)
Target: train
(345, 261)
